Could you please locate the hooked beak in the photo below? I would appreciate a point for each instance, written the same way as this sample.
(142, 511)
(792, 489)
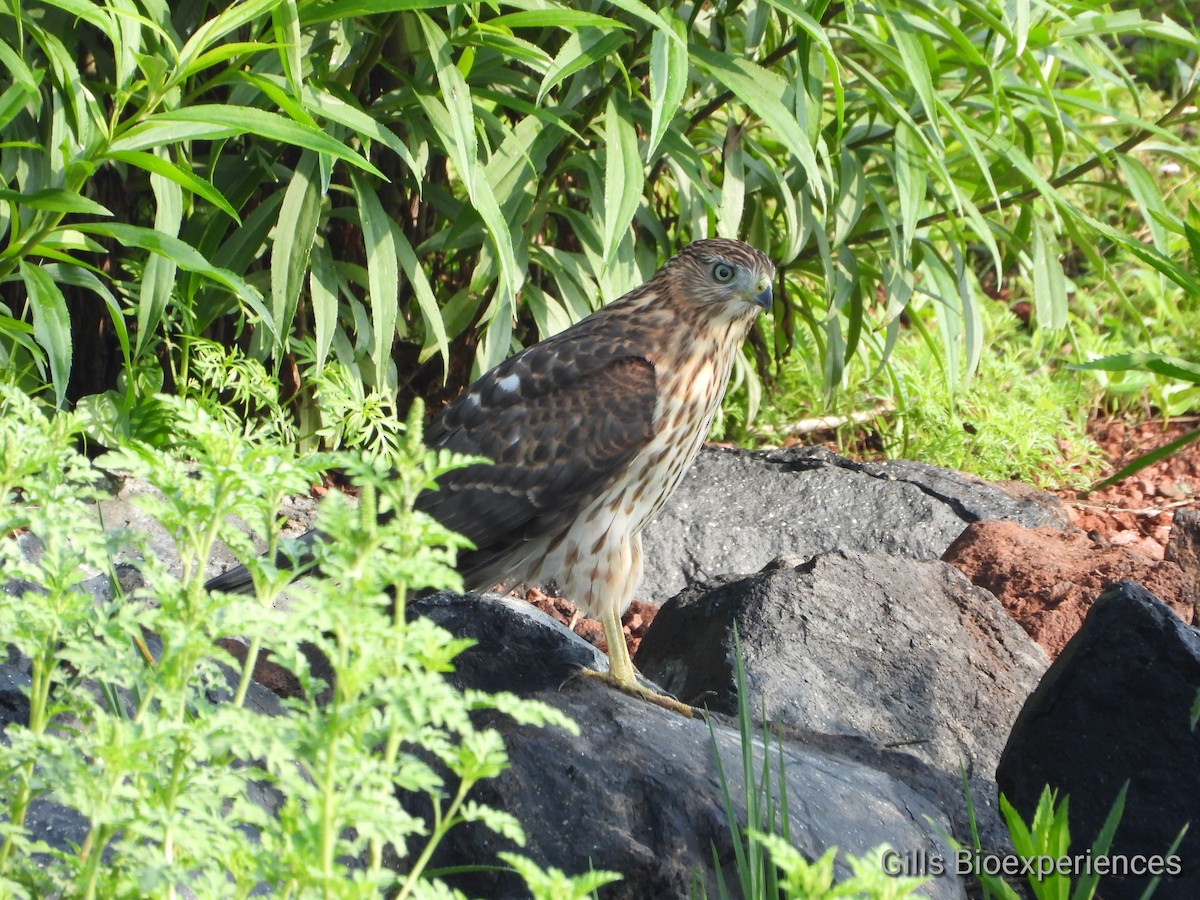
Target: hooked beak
(764, 298)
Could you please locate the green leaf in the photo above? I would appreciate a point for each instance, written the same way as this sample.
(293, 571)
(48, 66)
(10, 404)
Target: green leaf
(733, 185)
(623, 174)
(911, 181)
(295, 232)
(363, 124)
(152, 133)
(1149, 199)
(435, 327)
(158, 278)
(916, 67)
(182, 176)
(323, 296)
(649, 16)
(1168, 366)
(286, 21)
(230, 19)
(456, 96)
(1021, 26)
(383, 276)
(186, 257)
(1085, 887)
(12, 102)
(55, 200)
(460, 144)
(23, 77)
(1049, 282)
(556, 17)
(1129, 21)
(51, 325)
(668, 79)
(353, 9)
(760, 89)
(221, 54)
(78, 276)
(580, 51)
(96, 16)
(226, 121)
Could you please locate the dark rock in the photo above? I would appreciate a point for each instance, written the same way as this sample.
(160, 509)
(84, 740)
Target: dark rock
(520, 648)
(1183, 549)
(736, 511)
(14, 696)
(1115, 707)
(897, 653)
(638, 791)
(101, 586)
(61, 827)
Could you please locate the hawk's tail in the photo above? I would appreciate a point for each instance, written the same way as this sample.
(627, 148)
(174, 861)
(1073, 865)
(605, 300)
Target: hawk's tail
(301, 561)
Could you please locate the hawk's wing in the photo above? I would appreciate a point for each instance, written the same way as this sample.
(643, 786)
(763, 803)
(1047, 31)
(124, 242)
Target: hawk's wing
(561, 422)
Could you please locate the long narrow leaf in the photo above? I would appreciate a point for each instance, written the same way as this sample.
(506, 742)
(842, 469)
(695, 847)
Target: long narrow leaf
(435, 328)
(383, 276)
(323, 297)
(227, 121)
(1049, 282)
(185, 257)
(761, 89)
(158, 277)
(55, 200)
(623, 177)
(668, 79)
(51, 325)
(185, 178)
(295, 232)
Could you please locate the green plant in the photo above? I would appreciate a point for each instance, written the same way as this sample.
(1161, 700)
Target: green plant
(766, 865)
(804, 880)
(765, 797)
(1047, 837)
(1023, 417)
(417, 189)
(1178, 370)
(151, 740)
(1043, 851)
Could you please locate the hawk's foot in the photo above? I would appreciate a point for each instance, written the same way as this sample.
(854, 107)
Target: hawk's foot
(636, 689)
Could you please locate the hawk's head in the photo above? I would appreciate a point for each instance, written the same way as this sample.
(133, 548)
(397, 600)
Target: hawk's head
(723, 273)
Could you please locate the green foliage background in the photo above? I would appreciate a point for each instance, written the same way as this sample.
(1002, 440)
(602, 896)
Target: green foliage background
(412, 189)
(377, 199)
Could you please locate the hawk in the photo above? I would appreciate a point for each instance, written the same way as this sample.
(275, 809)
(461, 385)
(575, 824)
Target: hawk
(590, 431)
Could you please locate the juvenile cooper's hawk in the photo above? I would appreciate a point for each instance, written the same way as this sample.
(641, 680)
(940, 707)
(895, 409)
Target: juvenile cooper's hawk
(590, 431)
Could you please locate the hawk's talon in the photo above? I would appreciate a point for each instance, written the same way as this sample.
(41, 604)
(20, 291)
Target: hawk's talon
(640, 692)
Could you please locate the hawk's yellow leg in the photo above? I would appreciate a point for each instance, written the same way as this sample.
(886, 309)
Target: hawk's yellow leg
(622, 675)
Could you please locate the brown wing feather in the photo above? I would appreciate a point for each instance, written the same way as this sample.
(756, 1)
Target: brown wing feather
(561, 421)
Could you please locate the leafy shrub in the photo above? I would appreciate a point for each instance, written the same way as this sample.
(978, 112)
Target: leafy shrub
(463, 177)
(150, 739)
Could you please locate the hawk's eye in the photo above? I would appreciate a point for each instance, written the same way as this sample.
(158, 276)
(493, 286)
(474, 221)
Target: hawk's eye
(723, 272)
